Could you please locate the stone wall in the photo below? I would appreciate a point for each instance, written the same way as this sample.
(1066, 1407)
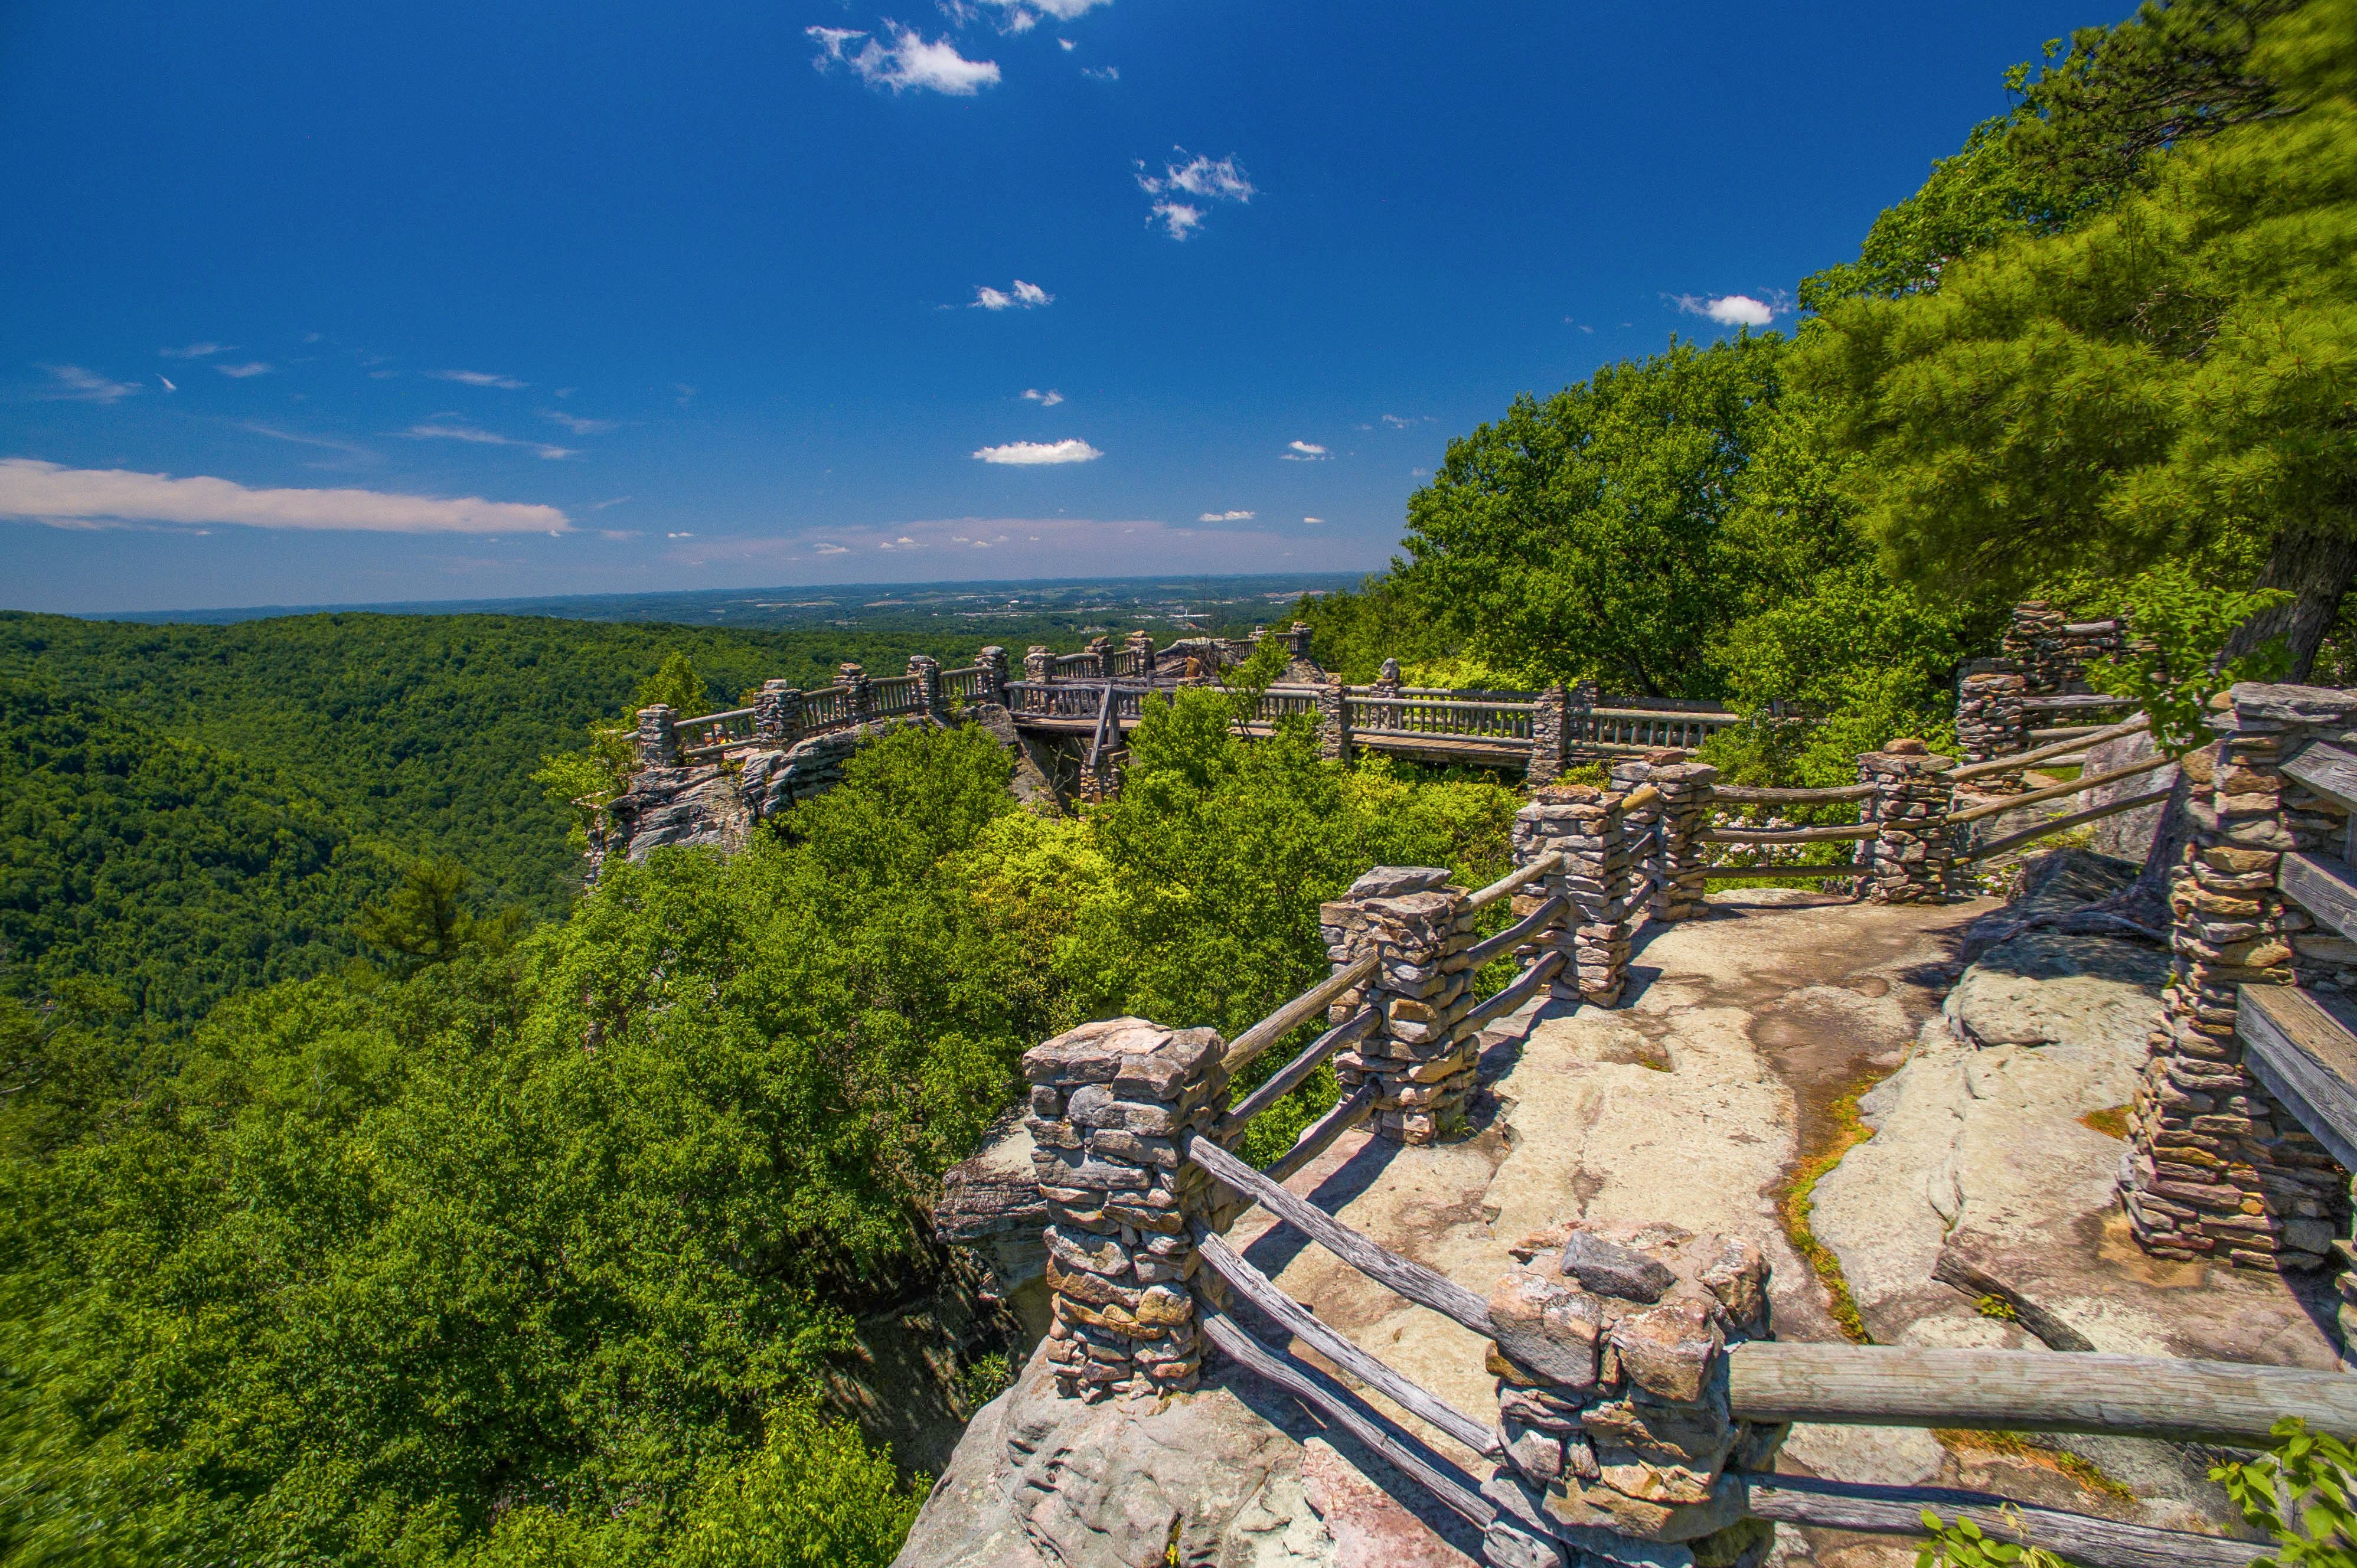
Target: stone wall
(1610, 1358)
(2052, 652)
(2218, 1168)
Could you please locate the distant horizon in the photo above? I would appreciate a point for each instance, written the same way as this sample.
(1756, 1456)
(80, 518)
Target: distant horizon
(1316, 583)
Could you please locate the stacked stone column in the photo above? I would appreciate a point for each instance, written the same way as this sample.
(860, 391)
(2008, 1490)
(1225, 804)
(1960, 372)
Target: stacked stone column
(858, 698)
(1989, 720)
(1585, 826)
(657, 743)
(778, 714)
(926, 670)
(1296, 641)
(1387, 684)
(1141, 649)
(1038, 669)
(1110, 1103)
(2219, 1169)
(1420, 1057)
(1680, 870)
(1100, 649)
(1550, 723)
(1610, 1358)
(1913, 849)
(992, 662)
(1334, 721)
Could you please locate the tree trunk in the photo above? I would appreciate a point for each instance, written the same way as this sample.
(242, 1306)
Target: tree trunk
(2317, 569)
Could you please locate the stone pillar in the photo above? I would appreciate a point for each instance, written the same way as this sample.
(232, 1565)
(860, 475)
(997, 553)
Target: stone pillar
(1629, 775)
(2030, 642)
(658, 744)
(992, 662)
(1610, 1358)
(1912, 848)
(1110, 1102)
(1680, 870)
(1578, 723)
(926, 670)
(1989, 720)
(2218, 1168)
(1333, 721)
(1420, 1057)
(1100, 649)
(778, 714)
(1387, 684)
(1296, 641)
(1038, 669)
(858, 700)
(1141, 649)
(1586, 826)
(1548, 727)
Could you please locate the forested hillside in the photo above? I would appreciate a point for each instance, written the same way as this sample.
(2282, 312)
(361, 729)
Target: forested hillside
(420, 732)
(345, 1218)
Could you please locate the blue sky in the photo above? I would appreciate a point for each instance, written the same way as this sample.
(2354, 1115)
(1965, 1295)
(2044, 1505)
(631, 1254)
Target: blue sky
(306, 303)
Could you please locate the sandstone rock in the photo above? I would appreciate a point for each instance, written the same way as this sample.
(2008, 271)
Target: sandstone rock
(1609, 1269)
(1391, 881)
(1668, 1350)
(1548, 1329)
(1370, 1530)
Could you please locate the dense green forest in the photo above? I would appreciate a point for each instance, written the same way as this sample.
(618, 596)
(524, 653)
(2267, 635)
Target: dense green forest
(370, 1197)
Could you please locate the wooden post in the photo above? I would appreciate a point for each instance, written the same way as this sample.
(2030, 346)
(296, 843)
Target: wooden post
(658, 744)
(1111, 1103)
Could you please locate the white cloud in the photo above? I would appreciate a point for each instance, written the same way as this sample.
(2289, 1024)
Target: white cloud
(826, 549)
(240, 371)
(1225, 517)
(1047, 399)
(71, 383)
(1313, 520)
(168, 383)
(1066, 45)
(298, 439)
(1022, 296)
(1180, 218)
(1022, 14)
(193, 351)
(1729, 309)
(903, 542)
(578, 425)
(485, 438)
(479, 379)
(1028, 454)
(1304, 452)
(45, 492)
(679, 536)
(1401, 422)
(909, 60)
(1101, 72)
(1206, 179)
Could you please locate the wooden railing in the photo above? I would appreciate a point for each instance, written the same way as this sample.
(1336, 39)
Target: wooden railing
(710, 733)
(826, 708)
(1075, 666)
(1488, 718)
(966, 684)
(1631, 728)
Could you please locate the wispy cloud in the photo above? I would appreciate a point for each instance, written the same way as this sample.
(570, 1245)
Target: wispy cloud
(193, 351)
(1225, 517)
(1028, 454)
(1199, 178)
(578, 425)
(239, 372)
(1022, 15)
(168, 383)
(71, 383)
(679, 536)
(1313, 520)
(1304, 452)
(1047, 399)
(256, 427)
(432, 432)
(1730, 309)
(44, 493)
(479, 379)
(1022, 296)
(909, 60)
(824, 548)
(903, 542)
(1403, 420)
(1101, 72)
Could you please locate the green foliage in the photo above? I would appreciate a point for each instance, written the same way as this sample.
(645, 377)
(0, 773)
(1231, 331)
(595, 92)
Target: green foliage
(2183, 629)
(2167, 371)
(424, 919)
(2304, 1493)
(1580, 537)
(1962, 1545)
(1351, 634)
(174, 872)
